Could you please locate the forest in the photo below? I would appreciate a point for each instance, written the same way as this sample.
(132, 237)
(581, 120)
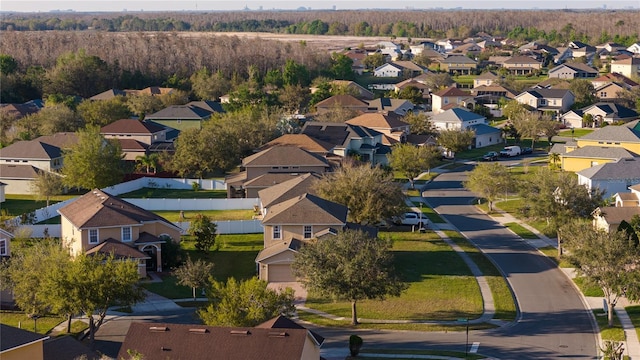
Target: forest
(552, 25)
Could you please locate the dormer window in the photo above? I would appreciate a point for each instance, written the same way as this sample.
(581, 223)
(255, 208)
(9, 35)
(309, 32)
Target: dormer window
(93, 236)
(126, 233)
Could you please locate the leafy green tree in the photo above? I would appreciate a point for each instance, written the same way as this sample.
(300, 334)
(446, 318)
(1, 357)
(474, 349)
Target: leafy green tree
(191, 154)
(369, 192)
(374, 60)
(294, 98)
(245, 303)
(608, 260)
(349, 266)
(194, 274)
(412, 160)
(8, 65)
(528, 125)
(412, 94)
(583, 91)
(420, 123)
(490, 180)
(171, 253)
(46, 185)
(437, 81)
(295, 74)
(209, 86)
(104, 112)
(143, 105)
(341, 67)
(456, 141)
(204, 230)
(78, 74)
(97, 282)
(513, 109)
(94, 162)
(148, 162)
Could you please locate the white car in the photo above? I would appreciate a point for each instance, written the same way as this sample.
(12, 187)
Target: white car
(411, 218)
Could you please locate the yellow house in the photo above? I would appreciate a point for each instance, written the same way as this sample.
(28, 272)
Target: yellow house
(602, 146)
(99, 222)
(18, 344)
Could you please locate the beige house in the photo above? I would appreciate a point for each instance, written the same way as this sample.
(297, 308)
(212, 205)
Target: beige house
(458, 64)
(629, 66)
(444, 99)
(558, 100)
(522, 65)
(274, 160)
(18, 344)
(388, 123)
(22, 161)
(341, 102)
(485, 79)
(99, 222)
(287, 225)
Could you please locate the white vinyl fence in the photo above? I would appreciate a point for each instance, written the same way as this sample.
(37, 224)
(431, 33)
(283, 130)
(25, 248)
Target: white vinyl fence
(224, 227)
(195, 204)
(165, 183)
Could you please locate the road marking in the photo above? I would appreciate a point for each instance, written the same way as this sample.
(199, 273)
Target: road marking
(474, 347)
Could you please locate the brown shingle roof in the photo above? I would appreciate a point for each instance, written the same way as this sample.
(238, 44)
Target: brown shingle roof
(199, 342)
(378, 120)
(291, 188)
(9, 171)
(63, 140)
(266, 180)
(615, 215)
(282, 322)
(284, 156)
(306, 209)
(302, 141)
(287, 245)
(118, 249)
(33, 149)
(451, 91)
(97, 209)
(132, 145)
(130, 126)
(341, 100)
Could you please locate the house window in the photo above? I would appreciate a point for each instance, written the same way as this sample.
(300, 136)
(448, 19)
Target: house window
(93, 236)
(308, 231)
(594, 163)
(603, 94)
(126, 233)
(3, 247)
(277, 232)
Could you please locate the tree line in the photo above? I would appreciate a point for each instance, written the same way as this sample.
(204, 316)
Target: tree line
(589, 24)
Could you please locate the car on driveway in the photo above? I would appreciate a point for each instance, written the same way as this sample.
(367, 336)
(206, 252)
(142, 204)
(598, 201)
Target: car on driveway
(412, 218)
(510, 151)
(490, 156)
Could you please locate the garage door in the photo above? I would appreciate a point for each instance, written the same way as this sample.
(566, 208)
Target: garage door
(280, 273)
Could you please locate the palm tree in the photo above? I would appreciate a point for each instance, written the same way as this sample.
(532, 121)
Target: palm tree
(554, 158)
(148, 162)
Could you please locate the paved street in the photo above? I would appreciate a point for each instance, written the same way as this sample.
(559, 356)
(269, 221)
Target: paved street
(553, 321)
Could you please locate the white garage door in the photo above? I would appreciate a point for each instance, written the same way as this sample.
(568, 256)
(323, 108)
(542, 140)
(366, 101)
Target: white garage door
(280, 273)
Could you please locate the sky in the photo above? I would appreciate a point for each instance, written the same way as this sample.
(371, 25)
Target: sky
(203, 5)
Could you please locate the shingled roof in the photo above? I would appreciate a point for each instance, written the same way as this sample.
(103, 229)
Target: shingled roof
(30, 150)
(387, 120)
(613, 133)
(13, 337)
(200, 342)
(600, 152)
(118, 249)
(130, 126)
(182, 112)
(97, 209)
(10, 171)
(291, 188)
(284, 156)
(306, 209)
(621, 169)
(302, 141)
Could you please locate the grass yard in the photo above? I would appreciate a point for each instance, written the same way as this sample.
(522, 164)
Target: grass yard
(502, 297)
(521, 231)
(441, 286)
(43, 325)
(77, 327)
(576, 132)
(588, 289)
(234, 258)
(451, 354)
(433, 216)
(164, 193)
(615, 333)
(634, 314)
(15, 205)
(552, 253)
(215, 215)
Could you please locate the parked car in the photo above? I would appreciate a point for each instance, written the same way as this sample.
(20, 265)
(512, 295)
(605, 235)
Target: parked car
(527, 150)
(411, 218)
(490, 156)
(510, 151)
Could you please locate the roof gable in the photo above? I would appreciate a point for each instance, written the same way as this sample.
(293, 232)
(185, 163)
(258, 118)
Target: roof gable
(306, 209)
(33, 149)
(451, 92)
(291, 188)
(284, 156)
(130, 126)
(612, 133)
(378, 120)
(181, 112)
(459, 115)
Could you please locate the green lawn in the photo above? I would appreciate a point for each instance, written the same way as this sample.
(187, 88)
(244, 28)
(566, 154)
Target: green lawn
(521, 231)
(502, 297)
(215, 215)
(576, 132)
(552, 253)
(43, 325)
(441, 286)
(235, 258)
(588, 289)
(15, 205)
(615, 333)
(163, 193)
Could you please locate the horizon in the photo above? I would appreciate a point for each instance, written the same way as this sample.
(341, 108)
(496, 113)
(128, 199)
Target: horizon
(53, 6)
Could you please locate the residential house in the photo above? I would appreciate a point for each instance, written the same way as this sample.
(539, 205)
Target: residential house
(461, 119)
(619, 79)
(302, 141)
(18, 344)
(151, 91)
(296, 185)
(634, 48)
(611, 178)
(385, 104)
(608, 218)
(423, 46)
(589, 156)
(287, 225)
(469, 48)
(602, 112)
(180, 117)
(353, 88)
(2, 193)
(522, 65)
(135, 137)
(277, 339)
(341, 102)
(357, 56)
(410, 69)
(22, 161)
(627, 66)
(279, 160)
(388, 123)
(416, 84)
(485, 79)
(490, 95)
(350, 140)
(6, 296)
(609, 91)
(573, 71)
(18, 111)
(447, 45)
(98, 222)
(458, 64)
(108, 94)
(451, 96)
(558, 100)
(388, 70)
